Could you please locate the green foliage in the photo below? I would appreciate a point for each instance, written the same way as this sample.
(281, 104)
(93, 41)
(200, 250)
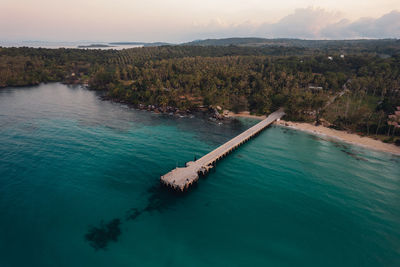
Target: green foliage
(103, 79)
(356, 92)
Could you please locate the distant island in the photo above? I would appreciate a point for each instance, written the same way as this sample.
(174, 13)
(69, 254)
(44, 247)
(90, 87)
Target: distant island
(94, 46)
(140, 43)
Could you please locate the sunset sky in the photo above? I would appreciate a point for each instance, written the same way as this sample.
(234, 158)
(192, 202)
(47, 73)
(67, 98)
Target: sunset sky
(185, 20)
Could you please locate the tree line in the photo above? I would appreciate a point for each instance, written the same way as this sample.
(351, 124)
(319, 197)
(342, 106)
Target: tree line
(356, 92)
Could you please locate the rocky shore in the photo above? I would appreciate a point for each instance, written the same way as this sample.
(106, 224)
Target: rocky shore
(211, 112)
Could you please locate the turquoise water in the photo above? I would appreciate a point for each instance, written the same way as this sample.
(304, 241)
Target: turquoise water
(69, 161)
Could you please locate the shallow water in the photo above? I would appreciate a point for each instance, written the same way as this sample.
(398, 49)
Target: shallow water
(69, 161)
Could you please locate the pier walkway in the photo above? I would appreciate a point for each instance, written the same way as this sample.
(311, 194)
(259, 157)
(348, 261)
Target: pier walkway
(182, 178)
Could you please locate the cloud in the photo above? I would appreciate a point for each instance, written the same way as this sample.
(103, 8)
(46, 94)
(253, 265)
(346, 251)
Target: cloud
(303, 23)
(308, 23)
(93, 21)
(387, 26)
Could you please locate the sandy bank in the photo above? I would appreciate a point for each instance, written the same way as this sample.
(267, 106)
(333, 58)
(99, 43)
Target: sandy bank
(351, 138)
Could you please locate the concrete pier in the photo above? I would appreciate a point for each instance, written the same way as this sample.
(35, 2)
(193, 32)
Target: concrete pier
(182, 178)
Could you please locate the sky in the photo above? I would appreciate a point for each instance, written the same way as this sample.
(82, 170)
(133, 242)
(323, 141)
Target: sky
(185, 20)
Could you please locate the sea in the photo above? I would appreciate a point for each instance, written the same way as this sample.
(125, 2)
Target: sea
(73, 45)
(80, 186)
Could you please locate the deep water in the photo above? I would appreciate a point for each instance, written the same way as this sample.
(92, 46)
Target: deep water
(79, 186)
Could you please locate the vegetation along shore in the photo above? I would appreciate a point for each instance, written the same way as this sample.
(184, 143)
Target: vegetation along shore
(350, 86)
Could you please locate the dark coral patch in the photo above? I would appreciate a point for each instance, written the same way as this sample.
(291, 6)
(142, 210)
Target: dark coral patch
(99, 237)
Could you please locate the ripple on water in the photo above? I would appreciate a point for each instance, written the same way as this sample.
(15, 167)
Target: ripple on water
(79, 174)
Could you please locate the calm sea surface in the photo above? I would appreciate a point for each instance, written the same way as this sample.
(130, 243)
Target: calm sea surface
(79, 186)
(56, 45)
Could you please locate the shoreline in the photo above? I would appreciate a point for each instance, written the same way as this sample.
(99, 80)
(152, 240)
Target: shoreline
(350, 138)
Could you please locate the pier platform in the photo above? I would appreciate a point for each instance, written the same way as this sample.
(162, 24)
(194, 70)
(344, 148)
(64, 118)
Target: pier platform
(181, 179)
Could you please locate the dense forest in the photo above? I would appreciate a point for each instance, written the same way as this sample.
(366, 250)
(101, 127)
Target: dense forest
(382, 46)
(353, 88)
